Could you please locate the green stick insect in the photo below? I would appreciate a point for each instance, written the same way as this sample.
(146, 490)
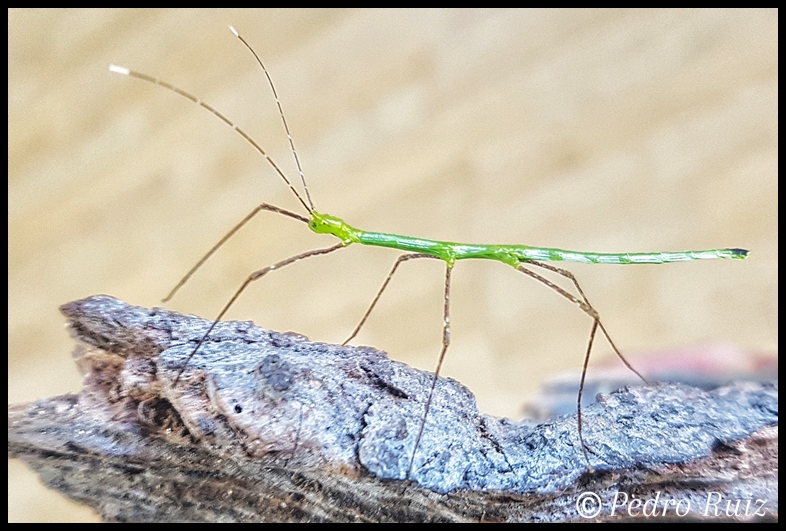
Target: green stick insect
(521, 257)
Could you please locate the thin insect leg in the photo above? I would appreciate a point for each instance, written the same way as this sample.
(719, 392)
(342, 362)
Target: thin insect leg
(227, 236)
(589, 310)
(401, 259)
(256, 275)
(567, 274)
(596, 322)
(581, 392)
(445, 344)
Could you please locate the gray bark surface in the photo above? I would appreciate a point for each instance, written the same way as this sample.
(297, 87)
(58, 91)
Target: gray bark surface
(263, 426)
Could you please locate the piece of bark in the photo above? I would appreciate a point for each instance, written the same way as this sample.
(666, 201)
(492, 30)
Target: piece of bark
(262, 426)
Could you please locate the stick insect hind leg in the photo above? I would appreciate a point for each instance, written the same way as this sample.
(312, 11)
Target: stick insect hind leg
(583, 303)
(587, 308)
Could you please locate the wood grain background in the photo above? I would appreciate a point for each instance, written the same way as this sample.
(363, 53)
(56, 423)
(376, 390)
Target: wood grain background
(623, 130)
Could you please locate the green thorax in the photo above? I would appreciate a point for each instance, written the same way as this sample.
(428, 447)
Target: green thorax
(447, 251)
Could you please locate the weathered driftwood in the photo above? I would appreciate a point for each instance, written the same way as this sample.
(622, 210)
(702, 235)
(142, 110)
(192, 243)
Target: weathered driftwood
(263, 426)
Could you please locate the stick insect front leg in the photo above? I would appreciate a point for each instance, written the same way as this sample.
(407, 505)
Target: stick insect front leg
(256, 275)
(587, 308)
(227, 236)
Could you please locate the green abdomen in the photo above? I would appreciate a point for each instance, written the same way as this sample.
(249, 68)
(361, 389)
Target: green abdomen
(514, 254)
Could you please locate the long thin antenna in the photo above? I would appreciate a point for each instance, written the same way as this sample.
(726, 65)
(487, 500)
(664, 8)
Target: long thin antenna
(281, 112)
(128, 72)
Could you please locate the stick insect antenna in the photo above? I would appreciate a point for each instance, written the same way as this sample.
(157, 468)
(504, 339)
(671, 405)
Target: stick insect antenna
(132, 73)
(283, 119)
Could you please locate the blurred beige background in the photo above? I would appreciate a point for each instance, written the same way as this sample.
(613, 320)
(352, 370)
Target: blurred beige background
(588, 130)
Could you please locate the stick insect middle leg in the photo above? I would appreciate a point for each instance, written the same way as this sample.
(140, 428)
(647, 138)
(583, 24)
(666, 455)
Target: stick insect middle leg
(445, 345)
(445, 339)
(587, 308)
(401, 259)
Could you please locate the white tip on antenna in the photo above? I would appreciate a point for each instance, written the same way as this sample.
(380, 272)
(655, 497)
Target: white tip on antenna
(120, 70)
(233, 30)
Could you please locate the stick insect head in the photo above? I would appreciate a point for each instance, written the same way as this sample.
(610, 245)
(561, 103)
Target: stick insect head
(327, 224)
